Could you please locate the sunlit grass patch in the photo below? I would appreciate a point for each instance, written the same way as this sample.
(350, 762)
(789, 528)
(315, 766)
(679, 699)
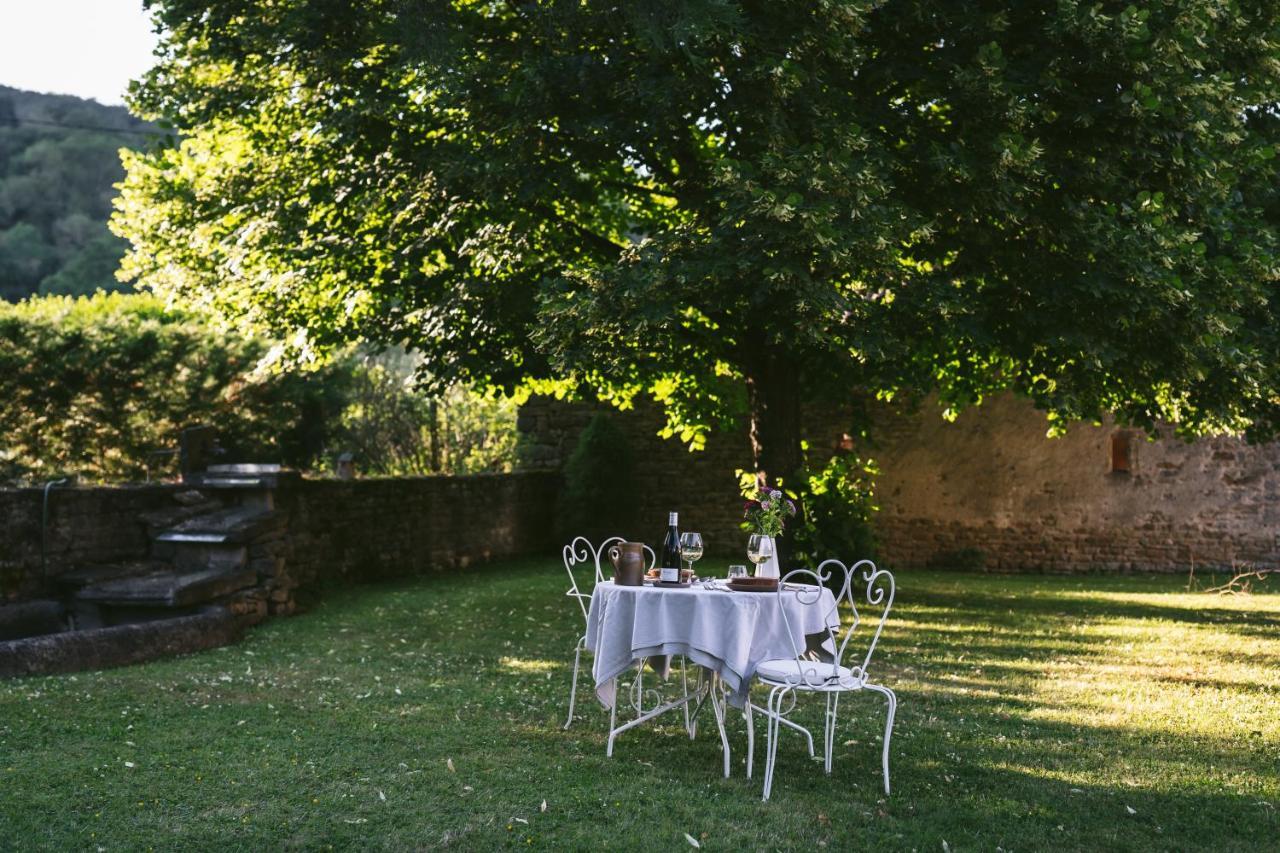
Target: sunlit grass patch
(1036, 713)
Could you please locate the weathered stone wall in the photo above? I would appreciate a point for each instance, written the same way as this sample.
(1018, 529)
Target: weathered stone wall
(993, 483)
(988, 489)
(380, 528)
(353, 530)
(96, 524)
(701, 486)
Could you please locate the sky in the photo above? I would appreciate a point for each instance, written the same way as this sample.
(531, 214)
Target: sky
(90, 48)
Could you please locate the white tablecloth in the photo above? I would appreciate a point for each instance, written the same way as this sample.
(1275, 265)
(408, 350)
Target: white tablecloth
(729, 632)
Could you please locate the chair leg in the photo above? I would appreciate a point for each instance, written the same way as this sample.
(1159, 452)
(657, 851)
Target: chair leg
(833, 704)
(771, 758)
(573, 691)
(888, 728)
(751, 737)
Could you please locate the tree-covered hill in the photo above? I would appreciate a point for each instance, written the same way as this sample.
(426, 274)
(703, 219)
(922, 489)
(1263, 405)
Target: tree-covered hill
(58, 161)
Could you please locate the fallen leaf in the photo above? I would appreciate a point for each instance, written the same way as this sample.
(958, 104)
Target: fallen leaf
(520, 820)
(1077, 791)
(449, 763)
(543, 807)
(1130, 809)
(382, 796)
(946, 848)
(128, 764)
(693, 842)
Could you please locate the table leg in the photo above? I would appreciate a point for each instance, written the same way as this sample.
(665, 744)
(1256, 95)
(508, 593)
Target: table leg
(684, 685)
(700, 693)
(717, 706)
(613, 719)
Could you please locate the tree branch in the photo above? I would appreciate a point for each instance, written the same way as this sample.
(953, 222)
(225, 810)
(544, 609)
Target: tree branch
(602, 243)
(624, 185)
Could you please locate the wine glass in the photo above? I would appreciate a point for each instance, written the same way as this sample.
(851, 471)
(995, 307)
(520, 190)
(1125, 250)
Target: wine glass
(691, 548)
(759, 549)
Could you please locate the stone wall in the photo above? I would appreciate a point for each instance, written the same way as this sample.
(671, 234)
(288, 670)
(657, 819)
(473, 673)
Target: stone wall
(992, 484)
(354, 530)
(97, 524)
(989, 489)
(360, 530)
(701, 486)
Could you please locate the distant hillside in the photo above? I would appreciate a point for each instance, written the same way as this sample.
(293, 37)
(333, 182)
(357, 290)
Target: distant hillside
(58, 161)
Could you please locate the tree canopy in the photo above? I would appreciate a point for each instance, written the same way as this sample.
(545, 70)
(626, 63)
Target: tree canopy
(738, 206)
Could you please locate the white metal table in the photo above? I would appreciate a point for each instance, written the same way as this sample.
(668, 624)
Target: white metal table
(724, 633)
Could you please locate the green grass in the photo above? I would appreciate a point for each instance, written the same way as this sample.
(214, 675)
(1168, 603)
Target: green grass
(1035, 713)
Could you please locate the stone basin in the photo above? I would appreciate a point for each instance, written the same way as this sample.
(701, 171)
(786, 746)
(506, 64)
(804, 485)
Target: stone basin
(117, 645)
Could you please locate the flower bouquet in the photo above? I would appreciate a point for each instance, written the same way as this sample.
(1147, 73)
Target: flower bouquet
(766, 511)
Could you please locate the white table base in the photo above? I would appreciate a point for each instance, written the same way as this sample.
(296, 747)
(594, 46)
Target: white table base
(708, 687)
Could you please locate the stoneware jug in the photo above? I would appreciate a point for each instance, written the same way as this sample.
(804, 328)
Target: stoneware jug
(628, 563)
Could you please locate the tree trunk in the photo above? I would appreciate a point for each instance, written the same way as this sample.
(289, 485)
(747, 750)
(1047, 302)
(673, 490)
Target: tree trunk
(773, 398)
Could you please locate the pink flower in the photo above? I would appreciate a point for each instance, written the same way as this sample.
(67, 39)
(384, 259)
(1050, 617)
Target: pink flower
(764, 505)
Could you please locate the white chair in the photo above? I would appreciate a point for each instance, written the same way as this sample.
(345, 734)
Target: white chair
(581, 551)
(789, 677)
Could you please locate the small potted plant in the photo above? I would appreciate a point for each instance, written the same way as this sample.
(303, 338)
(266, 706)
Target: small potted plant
(766, 510)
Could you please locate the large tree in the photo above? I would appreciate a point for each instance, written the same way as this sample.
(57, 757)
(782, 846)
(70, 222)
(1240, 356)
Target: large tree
(738, 207)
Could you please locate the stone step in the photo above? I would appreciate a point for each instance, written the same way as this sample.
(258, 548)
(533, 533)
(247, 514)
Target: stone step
(231, 526)
(246, 477)
(99, 573)
(203, 556)
(168, 589)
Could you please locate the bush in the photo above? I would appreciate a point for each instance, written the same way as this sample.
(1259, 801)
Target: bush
(837, 509)
(94, 384)
(599, 497)
(393, 430)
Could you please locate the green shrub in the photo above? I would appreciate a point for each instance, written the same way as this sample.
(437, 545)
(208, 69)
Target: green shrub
(94, 384)
(393, 430)
(836, 512)
(599, 497)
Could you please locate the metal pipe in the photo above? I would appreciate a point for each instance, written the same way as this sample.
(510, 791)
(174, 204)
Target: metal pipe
(44, 525)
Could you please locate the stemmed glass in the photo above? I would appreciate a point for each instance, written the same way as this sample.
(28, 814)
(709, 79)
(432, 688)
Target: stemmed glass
(691, 548)
(759, 549)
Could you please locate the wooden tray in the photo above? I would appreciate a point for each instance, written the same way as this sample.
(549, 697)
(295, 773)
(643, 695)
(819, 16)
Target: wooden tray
(658, 583)
(754, 585)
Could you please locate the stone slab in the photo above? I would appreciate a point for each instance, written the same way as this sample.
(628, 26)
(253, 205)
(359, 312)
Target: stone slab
(31, 618)
(166, 589)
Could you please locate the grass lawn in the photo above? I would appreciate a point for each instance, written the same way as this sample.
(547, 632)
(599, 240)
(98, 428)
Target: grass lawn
(1035, 713)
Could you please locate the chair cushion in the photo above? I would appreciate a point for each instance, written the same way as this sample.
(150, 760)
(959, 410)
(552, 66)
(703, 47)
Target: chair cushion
(807, 673)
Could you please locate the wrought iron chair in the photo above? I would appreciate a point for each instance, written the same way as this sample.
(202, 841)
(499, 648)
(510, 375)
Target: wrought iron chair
(788, 677)
(581, 551)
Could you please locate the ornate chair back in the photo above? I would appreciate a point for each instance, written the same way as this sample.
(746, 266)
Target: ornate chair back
(580, 556)
(832, 574)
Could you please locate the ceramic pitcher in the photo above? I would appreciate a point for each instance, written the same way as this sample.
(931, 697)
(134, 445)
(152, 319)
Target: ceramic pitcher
(628, 563)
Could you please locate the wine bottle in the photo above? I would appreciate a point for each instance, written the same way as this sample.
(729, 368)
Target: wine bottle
(669, 566)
